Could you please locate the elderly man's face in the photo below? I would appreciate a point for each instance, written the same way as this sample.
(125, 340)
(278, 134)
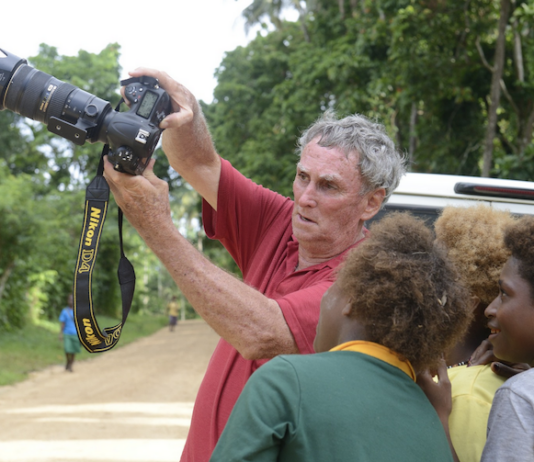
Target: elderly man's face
(329, 209)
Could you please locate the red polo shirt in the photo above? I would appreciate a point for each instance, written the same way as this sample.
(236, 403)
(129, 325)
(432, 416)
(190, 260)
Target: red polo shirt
(254, 224)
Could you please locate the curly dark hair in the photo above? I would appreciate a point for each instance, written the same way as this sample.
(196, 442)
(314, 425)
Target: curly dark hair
(405, 291)
(519, 239)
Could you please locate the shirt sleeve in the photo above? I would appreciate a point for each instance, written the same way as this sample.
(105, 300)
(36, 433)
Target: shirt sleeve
(510, 429)
(301, 312)
(245, 213)
(265, 415)
(62, 316)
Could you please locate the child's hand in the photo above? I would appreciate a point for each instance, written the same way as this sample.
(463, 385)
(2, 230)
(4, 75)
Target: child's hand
(438, 393)
(484, 355)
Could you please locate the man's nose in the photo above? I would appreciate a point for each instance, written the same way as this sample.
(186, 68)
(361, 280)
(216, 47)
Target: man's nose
(308, 198)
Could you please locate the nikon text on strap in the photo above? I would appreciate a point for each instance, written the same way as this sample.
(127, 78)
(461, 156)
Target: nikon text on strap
(92, 338)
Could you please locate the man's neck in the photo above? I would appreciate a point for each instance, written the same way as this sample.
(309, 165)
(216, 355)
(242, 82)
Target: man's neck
(310, 258)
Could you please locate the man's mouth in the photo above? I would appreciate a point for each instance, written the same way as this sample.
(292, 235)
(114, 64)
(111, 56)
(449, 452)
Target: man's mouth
(303, 218)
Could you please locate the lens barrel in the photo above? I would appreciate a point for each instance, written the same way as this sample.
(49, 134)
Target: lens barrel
(79, 116)
(67, 110)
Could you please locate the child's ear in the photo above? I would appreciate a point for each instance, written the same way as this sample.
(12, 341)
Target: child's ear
(474, 302)
(347, 309)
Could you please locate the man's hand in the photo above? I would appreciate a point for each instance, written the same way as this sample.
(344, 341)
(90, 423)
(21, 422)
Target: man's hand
(484, 355)
(186, 139)
(144, 199)
(183, 101)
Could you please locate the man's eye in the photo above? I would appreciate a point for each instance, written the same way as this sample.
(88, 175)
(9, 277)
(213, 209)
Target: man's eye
(328, 186)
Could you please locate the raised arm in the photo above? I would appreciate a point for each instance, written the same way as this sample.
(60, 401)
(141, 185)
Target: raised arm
(244, 317)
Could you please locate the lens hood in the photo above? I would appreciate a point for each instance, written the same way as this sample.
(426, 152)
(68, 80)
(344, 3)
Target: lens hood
(8, 65)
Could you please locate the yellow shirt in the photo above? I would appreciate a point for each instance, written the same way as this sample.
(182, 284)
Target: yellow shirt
(473, 389)
(173, 309)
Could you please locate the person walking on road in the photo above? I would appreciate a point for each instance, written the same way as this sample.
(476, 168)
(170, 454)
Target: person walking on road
(68, 334)
(172, 309)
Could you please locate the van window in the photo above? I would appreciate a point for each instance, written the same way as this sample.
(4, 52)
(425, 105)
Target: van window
(428, 214)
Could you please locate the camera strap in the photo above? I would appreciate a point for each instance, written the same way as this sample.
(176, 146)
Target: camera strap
(91, 336)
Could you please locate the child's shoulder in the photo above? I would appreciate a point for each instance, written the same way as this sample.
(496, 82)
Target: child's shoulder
(520, 382)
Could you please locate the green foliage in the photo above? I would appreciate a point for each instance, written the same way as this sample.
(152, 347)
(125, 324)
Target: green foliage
(414, 65)
(42, 189)
(420, 67)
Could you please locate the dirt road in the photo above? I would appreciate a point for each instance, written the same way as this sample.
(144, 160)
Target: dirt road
(130, 404)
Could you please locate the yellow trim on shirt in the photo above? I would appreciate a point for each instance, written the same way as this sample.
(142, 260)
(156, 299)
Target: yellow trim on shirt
(380, 352)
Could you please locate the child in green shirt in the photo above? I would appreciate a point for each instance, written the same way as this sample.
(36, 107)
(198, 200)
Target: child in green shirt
(395, 307)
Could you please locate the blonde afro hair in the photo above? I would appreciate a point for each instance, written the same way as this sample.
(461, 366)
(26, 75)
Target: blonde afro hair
(474, 240)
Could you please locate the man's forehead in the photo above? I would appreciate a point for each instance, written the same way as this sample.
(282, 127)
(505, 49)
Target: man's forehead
(332, 173)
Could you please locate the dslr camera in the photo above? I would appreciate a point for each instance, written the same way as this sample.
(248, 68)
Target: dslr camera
(79, 116)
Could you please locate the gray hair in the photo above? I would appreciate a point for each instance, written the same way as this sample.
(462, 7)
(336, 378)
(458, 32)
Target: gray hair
(379, 163)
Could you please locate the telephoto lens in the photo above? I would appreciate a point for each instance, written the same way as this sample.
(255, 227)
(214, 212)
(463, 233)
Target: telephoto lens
(79, 116)
(41, 97)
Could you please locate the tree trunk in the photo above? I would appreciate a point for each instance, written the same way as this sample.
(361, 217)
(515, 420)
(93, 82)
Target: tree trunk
(518, 51)
(495, 92)
(525, 137)
(341, 5)
(413, 138)
(5, 277)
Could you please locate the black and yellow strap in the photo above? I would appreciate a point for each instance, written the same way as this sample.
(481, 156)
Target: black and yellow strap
(91, 336)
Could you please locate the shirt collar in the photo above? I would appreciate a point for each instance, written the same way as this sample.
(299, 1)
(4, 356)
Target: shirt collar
(380, 352)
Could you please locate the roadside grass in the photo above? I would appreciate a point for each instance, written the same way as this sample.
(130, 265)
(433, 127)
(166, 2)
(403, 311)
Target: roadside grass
(37, 345)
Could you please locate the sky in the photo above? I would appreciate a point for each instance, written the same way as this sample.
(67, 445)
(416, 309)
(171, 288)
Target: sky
(185, 38)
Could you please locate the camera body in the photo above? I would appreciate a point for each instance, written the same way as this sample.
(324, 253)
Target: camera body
(134, 135)
(78, 116)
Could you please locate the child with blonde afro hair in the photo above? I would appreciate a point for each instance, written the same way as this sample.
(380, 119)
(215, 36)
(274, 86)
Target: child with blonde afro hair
(474, 240)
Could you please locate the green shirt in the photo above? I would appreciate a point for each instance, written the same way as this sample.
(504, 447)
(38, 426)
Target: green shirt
(334, 406)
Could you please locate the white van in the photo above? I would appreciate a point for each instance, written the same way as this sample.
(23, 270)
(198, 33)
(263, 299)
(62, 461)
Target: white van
(425, 194)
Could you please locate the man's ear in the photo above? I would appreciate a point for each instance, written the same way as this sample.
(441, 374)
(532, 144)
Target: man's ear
(374, 202)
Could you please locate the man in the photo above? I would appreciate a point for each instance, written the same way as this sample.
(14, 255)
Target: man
(286, 250)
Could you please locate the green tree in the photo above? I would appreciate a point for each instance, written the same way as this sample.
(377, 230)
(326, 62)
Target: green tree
(42, 181)
(413, 65)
